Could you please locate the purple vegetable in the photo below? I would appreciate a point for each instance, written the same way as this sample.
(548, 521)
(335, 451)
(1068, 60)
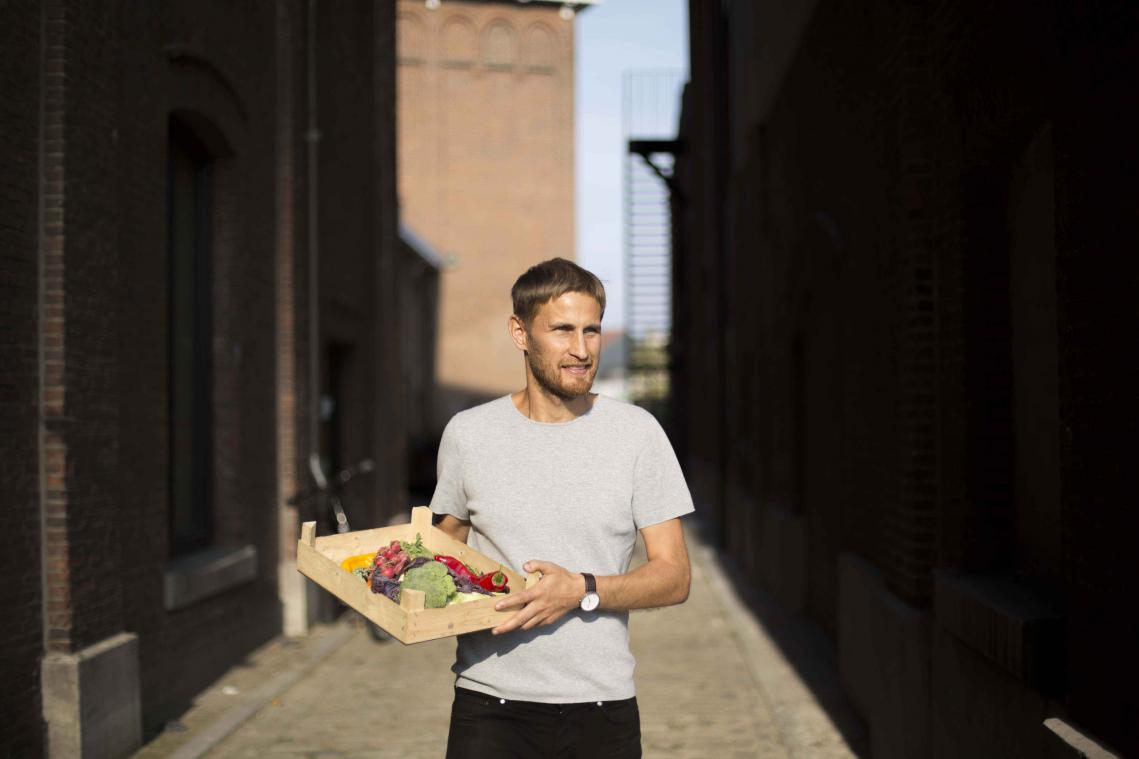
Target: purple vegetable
(465, 584)
(389, 586)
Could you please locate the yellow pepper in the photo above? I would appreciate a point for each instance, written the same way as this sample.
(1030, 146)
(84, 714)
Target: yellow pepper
(352, 563)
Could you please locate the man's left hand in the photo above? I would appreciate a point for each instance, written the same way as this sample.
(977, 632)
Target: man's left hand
(556, 593)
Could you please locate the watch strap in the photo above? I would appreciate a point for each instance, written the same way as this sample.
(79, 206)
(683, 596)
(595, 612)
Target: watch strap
(590, 583)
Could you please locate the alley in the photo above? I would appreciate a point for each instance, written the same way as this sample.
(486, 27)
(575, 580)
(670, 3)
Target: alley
(711, 680)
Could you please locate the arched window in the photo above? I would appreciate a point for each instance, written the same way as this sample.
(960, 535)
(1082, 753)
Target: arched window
(500, 46)
(459, 42)
(539, 52)
(190, 235)
(411, 40)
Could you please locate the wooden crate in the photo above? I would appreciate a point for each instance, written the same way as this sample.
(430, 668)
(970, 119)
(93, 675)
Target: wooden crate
(408, 621)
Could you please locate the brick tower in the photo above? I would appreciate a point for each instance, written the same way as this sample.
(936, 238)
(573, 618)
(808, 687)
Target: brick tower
(486, 136)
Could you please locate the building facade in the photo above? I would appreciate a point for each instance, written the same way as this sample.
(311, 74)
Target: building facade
(903, 291)
(200, 303)
(486, 135)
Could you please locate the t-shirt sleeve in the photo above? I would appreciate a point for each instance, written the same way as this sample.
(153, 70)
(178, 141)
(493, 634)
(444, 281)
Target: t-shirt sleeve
(659, 490)
(450, 494)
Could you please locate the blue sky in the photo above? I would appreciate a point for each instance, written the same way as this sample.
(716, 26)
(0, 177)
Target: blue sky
(612, 38)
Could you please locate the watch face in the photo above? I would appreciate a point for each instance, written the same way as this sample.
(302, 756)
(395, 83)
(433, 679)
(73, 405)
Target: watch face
(590, 601)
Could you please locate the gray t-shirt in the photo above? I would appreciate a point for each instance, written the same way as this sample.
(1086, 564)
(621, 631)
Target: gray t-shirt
(574, 494)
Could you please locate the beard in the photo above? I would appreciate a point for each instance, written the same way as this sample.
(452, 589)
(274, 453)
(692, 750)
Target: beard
(551, 380)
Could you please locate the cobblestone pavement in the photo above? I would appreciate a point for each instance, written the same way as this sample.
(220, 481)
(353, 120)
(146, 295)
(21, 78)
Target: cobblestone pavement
(711, 682)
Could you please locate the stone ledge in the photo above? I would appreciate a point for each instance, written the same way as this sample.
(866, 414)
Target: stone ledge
(1006, 620)
(206, 573)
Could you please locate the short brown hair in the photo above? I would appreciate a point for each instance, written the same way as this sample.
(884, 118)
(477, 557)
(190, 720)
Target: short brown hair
(550, 280)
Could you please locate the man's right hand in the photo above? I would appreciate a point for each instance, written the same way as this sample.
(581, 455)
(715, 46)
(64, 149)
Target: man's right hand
(558, 592)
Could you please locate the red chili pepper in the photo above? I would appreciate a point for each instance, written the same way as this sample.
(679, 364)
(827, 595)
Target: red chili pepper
(456, 566)
(493, 581)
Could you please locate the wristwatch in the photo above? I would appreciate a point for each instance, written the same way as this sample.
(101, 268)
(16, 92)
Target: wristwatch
(590, 600)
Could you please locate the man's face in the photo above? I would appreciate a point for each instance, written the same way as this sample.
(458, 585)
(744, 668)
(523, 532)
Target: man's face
(563, 343)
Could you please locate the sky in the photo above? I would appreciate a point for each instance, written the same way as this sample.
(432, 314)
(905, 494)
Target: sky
(612, 38)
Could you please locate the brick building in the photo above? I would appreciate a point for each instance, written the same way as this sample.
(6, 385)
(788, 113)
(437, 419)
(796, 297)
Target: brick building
(486, 135)
(904, 390)
(200, 292)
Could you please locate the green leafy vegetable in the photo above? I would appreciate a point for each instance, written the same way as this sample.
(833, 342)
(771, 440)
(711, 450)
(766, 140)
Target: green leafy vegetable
(416, 550)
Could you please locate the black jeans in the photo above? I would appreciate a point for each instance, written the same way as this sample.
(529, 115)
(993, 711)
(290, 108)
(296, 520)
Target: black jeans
(484, 727)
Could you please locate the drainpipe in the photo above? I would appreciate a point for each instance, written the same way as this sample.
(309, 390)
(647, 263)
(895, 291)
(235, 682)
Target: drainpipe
(312, 140)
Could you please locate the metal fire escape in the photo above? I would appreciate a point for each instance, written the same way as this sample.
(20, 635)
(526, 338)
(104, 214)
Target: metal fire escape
(650, 113)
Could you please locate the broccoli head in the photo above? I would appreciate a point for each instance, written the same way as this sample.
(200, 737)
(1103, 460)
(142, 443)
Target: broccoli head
(434, 580)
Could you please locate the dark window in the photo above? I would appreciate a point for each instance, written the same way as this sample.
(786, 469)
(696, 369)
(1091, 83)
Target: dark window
(1035, 364)
(189, 249)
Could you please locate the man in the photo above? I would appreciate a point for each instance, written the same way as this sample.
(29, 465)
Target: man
(557, 480)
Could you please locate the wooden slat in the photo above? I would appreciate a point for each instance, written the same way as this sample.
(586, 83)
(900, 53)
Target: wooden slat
(412, 600)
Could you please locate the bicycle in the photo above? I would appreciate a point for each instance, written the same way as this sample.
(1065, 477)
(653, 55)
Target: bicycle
(328, 491)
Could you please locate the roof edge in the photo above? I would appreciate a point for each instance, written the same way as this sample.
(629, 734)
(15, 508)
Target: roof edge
(421, 247)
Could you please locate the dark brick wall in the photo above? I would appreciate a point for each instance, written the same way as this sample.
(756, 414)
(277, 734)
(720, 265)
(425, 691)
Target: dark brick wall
(220, 64)
(867, 252)
(293, 269)
(348, 230)
(829, 288)
(108, 77)
(143, 488)
(1097, 235)
(80, 242)
(391, 277)
(807, 304)
(854, 262)
(21, 635)
(696, 349)
(994, 71)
